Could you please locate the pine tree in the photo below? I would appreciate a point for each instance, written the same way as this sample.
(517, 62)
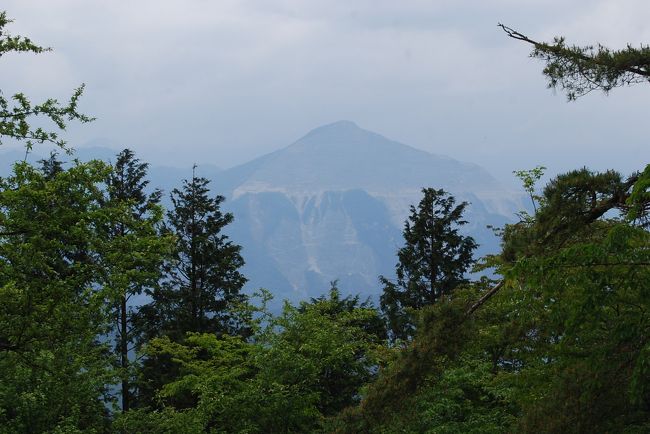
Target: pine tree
(580, 70)
(432, 262)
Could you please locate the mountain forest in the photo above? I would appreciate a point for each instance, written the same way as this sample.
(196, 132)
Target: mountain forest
(123, 309)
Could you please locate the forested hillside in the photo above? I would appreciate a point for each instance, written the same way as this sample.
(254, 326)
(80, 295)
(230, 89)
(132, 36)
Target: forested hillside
(557, 341)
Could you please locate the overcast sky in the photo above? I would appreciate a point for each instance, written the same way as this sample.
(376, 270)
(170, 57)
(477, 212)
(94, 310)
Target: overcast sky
(221, 82)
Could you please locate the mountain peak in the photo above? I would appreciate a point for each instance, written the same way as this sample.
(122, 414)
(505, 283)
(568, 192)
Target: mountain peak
(340, 137)
(342, 125)
(340, 130)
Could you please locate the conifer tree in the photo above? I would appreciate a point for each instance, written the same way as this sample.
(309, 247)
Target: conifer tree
(432, 262)
(202, 280)
(201, 283)
(51, 165)
(579, 70)
(126, 188)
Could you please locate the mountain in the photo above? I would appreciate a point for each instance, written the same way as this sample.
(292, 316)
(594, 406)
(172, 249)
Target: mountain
(332, 206)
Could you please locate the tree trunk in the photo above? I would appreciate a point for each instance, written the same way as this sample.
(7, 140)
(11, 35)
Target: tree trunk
(124, 354)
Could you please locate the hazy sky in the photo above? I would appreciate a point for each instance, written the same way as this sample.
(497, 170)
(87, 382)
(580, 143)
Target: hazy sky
(221, 82)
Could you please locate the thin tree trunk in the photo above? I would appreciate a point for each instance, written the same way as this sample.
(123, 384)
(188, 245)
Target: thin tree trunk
(124, 353)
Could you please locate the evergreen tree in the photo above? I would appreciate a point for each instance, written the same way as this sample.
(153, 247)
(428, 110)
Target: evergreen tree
(126, 186)
(432, 262)
(51, 166)
(201, 285)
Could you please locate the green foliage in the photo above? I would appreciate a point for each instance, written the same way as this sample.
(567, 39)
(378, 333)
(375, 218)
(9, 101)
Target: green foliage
(529, 178)
(594, 299)
(570, 203)
(62, 271)
(165, 421)
(201, 282)
(129, 275)
(52, 302)
(329, 345)
(17, 111)
(200, 289)
(562, 347)
(580, 70)
(10, 43)
(302, 366)
(399, 400)
(639, 200)
(432, 263)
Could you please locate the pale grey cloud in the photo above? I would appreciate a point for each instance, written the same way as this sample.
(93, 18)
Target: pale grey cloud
(224, 81)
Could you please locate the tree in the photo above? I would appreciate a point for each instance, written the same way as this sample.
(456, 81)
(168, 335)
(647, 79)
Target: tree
(18, 110)
(562, 345)
(432, 263)
(202, 280)
(201, 284)
(53, 370)
(126, 186)
(580, 70)
(529, 178)
(334, 306)
(350, 331)
(580, 270)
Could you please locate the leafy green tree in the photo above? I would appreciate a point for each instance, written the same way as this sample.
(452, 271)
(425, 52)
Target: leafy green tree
(349, 347)
(572, 203)
(63, 270)
(17, 111)
(53, 371)
(560, 343)
(432, 263)
(334, 305)
(588, 357)
(138, 231)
